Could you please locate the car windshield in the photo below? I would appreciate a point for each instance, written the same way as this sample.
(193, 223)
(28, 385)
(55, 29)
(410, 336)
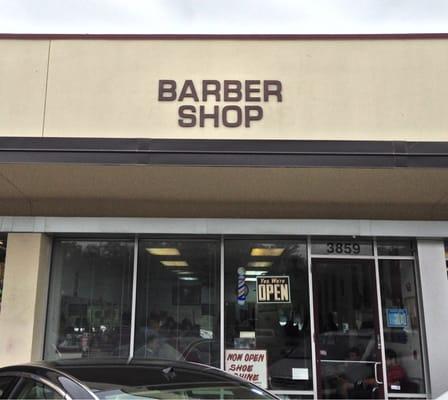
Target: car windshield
(187, 391)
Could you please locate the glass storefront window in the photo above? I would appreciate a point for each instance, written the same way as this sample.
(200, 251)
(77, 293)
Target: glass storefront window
(89, 312)
(281, 325)
(347, 326)
(395, 247)
(177, 315)
(266, 304)
(403, 348)
(2, 266)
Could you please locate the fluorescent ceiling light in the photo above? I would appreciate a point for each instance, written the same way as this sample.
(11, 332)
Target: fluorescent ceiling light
(260, 264)
(184, 272)
(267, 252)
(172, 263)
(188, 278)
(255, 273)
(251, 279)
(163, 251)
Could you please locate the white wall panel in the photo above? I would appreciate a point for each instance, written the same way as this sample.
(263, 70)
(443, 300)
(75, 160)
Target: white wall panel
(434, 285)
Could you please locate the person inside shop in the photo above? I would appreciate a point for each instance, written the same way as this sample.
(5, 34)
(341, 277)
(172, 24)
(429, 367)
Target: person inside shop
(331, 324)
(150, 336)
(150, 349)
(169, 327)
(396, 375)
(355, 372)
(153, 328)
(156, 347)
(396, 378)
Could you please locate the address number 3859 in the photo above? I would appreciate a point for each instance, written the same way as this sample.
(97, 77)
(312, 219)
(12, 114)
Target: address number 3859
(343, 248)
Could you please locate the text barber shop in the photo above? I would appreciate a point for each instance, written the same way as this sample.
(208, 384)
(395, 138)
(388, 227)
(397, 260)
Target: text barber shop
(230, 115)
(275, 207)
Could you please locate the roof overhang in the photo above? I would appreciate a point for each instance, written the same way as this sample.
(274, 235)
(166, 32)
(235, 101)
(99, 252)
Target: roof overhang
(224, 179)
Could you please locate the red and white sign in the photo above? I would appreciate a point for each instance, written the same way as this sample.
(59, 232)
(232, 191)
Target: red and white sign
(250, 365)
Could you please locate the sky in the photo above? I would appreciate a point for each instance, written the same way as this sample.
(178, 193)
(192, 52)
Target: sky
(225, 16)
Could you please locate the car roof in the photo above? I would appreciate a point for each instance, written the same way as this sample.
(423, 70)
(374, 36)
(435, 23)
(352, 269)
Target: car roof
(116, 362)
(117, 370)
(103, 374)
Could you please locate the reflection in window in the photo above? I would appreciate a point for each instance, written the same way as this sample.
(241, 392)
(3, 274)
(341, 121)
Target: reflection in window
(396, 247)
(345, 295)
(281, 328)
(2, 266)
(346, 327)
(401, 327)
(89, 310)
(177, 314)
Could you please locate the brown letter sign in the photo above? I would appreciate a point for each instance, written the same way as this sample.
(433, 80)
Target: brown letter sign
(233, 101)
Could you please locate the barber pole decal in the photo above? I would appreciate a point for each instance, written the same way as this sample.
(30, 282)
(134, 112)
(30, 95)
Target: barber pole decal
(242, 289)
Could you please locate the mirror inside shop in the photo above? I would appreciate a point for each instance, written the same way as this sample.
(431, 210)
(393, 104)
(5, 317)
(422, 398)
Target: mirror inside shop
(247, 310)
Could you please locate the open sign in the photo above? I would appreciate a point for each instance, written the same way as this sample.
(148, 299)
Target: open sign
(273, 289)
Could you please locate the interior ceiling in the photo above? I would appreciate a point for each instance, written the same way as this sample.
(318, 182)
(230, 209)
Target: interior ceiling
(220, 192)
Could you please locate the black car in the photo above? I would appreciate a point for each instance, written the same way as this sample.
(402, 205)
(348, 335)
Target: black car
(123, 380)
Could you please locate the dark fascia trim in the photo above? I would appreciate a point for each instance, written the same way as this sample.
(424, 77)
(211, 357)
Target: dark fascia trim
(382, 36)
(246, 153)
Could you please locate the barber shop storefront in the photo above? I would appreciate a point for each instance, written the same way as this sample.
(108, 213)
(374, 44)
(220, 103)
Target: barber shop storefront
(272, 206)
(357, 296)
(262, 298)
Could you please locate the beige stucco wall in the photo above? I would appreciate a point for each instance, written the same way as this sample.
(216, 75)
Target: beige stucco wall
(23, 77)
(332, 89)
(22, 317)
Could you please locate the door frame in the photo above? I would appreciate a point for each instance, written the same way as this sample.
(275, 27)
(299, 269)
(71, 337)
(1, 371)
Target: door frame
(377, 308)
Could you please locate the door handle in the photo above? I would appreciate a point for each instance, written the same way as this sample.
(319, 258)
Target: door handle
(376, 373)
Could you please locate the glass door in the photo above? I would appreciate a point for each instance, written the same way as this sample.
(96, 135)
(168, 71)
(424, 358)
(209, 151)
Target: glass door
(348, 347)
